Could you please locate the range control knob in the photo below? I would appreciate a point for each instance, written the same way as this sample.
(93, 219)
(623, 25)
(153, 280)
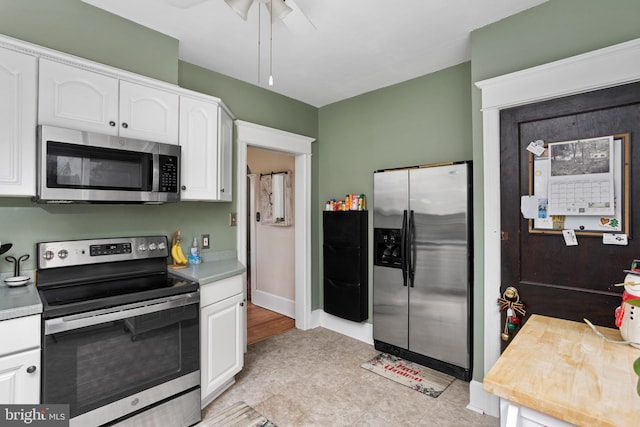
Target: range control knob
(62, 253)
(152, 246)
(48, 255)
(162, 246)
(142, 247)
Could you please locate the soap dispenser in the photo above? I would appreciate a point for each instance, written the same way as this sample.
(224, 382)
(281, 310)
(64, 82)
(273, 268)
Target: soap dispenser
(194, 253)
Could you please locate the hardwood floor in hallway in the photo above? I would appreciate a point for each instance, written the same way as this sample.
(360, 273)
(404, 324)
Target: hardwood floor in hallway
(263, 323)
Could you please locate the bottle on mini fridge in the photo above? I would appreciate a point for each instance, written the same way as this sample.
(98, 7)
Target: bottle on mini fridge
(194, 252)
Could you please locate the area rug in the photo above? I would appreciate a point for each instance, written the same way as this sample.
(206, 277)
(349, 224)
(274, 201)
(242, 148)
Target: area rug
(417, 377)
(237, 415)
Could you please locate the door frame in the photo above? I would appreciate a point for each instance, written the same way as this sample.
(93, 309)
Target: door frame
(569, 76)
(251, 134)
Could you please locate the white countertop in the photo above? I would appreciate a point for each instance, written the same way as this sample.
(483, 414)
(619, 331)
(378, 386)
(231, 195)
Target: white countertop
(211, 270)
(19, 301)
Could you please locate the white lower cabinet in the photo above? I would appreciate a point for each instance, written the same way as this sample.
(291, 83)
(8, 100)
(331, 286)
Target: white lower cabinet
(514, 415)
(20, 360)
(222, 327)
(20, 378)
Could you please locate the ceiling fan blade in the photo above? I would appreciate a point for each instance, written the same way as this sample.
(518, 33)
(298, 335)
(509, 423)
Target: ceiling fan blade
(297, 21)
(241, 7)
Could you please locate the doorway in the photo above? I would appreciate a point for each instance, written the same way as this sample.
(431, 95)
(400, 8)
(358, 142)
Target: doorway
(253, 135)
(270, 243)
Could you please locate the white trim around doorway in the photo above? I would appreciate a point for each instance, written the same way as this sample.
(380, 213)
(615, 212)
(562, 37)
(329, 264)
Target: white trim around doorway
(612, 66)
(254, 135)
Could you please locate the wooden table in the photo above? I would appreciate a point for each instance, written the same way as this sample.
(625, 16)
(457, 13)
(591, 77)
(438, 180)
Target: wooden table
(565, 370)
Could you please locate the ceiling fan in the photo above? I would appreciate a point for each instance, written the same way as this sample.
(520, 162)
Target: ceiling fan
(297, 22)
(278, 8)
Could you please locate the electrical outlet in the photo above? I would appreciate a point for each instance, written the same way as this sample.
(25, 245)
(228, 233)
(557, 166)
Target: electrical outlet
(205, 241)
(232, 219)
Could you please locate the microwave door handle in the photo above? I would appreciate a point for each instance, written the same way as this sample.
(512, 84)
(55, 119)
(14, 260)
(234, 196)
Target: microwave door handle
(155, 171)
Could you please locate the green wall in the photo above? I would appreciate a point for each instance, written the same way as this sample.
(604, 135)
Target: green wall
(74, 27)
(425, 120)
(421, 121)
(77, 28)
(554, 30)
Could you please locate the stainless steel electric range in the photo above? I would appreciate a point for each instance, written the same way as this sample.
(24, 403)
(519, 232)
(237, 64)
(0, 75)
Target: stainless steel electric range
(120, 334)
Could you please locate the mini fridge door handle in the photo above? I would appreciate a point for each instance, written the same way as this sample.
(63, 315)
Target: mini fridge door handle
(403, 248)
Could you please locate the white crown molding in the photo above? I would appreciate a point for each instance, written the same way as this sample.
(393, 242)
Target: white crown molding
(96, 67)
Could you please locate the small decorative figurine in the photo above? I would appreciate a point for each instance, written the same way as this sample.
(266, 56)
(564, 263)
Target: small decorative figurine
(510, 301)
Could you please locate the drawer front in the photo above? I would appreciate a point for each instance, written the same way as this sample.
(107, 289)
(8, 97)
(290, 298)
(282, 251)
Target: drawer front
(221, 289)
(21, 333)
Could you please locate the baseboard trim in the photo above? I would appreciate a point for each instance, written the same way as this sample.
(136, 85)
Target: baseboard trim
(361, 331)
(482, 402)
(275, 303)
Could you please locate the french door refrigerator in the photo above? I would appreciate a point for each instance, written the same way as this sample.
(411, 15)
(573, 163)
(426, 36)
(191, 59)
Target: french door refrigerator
(422, 271)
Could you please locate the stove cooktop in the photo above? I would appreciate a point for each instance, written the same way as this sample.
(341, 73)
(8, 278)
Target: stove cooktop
(67, 300)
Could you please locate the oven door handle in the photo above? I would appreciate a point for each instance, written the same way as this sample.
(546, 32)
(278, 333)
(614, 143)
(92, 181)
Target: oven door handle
(76, 321)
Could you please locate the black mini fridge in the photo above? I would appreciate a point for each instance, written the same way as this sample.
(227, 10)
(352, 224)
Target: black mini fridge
(346, 272)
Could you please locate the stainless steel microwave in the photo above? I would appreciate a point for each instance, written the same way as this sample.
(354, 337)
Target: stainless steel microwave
(75, 166)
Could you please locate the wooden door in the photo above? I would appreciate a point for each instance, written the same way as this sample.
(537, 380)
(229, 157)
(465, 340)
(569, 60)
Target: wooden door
(553, 279)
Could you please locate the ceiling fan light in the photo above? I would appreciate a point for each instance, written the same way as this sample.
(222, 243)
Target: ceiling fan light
(241, 7)
(279, 9)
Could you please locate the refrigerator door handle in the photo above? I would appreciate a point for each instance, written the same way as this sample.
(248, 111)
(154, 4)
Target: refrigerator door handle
(411, 247)
(403, 248)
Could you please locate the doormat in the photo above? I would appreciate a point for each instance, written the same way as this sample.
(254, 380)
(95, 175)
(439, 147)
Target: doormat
(416, 377)
(237, 415)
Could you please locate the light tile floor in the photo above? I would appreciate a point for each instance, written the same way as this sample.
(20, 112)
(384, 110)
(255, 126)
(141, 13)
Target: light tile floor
(314, 378)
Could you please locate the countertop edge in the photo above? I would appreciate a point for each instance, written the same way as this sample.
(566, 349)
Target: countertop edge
(210, 271)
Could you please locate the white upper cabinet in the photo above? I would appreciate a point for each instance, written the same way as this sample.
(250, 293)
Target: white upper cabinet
(148, 113)
(79, 99)
(205, 137)
(85, 100)
(18, 85)
(225, 152)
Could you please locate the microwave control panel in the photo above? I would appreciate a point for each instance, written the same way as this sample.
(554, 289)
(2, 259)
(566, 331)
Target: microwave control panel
(168, 174)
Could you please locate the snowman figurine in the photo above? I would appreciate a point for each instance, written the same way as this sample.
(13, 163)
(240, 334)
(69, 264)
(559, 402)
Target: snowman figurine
(628, 315)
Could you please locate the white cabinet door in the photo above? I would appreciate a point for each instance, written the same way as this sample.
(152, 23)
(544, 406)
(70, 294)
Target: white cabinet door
(148, 113)
(79, 99)
(221, 329)
(20, 378)
(225, 154)
(198, 139)
(17, 124)
(75, 98)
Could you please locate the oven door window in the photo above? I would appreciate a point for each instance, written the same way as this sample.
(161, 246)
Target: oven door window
(86, 167)
(92, 366)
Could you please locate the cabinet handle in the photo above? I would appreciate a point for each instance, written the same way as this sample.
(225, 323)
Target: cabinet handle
(125, 125)
(241, 304)
(184, 187)
(31, 369)
(222, 190)
(112, 123)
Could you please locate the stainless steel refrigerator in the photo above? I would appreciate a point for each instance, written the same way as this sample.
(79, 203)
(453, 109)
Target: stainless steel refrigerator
(422, 273)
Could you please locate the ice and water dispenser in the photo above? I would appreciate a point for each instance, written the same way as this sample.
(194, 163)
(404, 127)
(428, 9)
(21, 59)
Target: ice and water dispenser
(387, 247)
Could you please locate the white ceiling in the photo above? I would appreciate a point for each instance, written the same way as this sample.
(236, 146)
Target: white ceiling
(325, 50)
